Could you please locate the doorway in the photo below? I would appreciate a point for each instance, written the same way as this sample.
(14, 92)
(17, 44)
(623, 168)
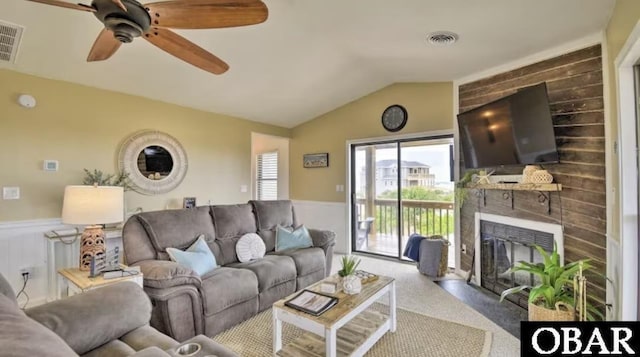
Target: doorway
(401, 187)
(622, 254)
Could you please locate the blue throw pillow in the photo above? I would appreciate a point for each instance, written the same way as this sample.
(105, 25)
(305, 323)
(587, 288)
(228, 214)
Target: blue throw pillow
(197, 257)
(286, 239)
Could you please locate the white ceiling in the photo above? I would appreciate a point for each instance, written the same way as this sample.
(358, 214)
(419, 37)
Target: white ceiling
(310, 56)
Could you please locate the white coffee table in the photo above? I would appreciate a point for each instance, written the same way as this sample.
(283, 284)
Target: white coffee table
(349, 313)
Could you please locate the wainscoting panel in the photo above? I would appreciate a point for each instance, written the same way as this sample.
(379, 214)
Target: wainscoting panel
(22, 245)
(325, 215)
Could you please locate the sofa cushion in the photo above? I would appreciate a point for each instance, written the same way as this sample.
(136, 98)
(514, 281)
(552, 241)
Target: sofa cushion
(114, 348)
(271, 270)
(270, 214)
(197, 257)
(307, 260)
(22, 336)
(177, 228)
(292, 239)
(77, 318)
(225, 287)
(147, 336)
(231, 222)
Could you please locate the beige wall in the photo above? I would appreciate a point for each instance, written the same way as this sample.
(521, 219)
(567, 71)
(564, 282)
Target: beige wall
(82, 127)
(624, 18)
(430, 107)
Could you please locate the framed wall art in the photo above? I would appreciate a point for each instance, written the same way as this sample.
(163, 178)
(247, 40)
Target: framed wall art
(315, 160)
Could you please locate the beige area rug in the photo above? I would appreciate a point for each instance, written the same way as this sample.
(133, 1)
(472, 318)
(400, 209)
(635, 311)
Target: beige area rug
(416, 335)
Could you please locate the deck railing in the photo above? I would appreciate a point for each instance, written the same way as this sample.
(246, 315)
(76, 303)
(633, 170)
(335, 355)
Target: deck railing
(422, 217)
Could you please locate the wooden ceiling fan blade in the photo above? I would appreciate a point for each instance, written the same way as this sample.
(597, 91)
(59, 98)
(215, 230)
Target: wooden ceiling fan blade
(185, 50)
(104, 47)
(204, 14)
(67, 5)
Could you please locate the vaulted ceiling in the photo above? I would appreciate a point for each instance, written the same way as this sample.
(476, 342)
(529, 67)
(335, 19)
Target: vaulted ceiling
(310, 56)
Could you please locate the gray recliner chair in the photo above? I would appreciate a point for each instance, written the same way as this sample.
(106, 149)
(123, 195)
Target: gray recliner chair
(111, 321)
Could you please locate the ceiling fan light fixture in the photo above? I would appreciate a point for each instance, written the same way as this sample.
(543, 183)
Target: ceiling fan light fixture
(123, 30)
(442, 38)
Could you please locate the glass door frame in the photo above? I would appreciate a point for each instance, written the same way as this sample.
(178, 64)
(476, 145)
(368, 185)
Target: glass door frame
(351, 172)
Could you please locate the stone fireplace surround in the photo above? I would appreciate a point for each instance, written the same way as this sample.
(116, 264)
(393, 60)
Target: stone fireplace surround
(550, 229)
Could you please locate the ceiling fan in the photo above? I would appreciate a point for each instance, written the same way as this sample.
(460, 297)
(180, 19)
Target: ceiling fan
(125, 20)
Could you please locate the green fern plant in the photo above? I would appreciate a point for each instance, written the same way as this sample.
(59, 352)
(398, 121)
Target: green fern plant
(349, 265)
(99, 178)
(556, 282)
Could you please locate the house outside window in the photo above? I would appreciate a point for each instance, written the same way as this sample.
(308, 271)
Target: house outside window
(267, 176)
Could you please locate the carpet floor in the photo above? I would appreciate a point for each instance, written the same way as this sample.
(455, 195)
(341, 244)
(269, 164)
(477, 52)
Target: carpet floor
(417, 335)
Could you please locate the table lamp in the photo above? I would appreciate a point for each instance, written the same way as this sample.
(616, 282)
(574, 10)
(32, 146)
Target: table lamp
(92, 206)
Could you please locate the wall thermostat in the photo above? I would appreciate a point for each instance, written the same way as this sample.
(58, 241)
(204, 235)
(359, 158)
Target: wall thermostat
(50, 165)
(27, 101)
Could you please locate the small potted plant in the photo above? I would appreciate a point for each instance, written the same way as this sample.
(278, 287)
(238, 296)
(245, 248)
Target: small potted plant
(351, 284)
(553, 298)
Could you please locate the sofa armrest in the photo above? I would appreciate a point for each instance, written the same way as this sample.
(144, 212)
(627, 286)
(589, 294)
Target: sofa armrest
(208, 347)
(322, 238)
(160, 274)
(151, 352)
(325, 240)
(89, 320)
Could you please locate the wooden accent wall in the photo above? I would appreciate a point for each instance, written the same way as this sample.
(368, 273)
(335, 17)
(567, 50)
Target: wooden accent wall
(574, 83)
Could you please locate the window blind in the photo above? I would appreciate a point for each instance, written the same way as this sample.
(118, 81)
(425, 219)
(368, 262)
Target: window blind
(267, 183)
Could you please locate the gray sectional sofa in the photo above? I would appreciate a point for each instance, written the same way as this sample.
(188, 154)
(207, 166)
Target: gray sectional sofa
(186, 304)
(112, 321)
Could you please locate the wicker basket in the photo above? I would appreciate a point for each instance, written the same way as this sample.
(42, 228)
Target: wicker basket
(444, 258)
(528, 171)
(540, 176)
(562, 312)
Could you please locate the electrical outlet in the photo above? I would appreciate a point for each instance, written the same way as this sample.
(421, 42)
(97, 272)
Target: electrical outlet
(464, 249)
(28, 271)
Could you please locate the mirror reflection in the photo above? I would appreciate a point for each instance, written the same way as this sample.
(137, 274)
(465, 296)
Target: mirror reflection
(155, 162)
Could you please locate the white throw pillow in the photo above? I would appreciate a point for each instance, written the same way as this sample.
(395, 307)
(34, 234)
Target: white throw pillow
(250, 247)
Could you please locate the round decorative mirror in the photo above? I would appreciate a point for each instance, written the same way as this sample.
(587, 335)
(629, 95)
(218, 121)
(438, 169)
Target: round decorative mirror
(155, 161)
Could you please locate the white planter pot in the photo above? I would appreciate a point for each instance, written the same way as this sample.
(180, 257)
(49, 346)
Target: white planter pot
(351, 285)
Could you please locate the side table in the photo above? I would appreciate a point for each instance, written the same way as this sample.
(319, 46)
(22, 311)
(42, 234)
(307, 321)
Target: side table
(78, 281)
(63, 250)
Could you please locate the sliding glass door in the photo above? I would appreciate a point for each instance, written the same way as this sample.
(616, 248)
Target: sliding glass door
(400, 187)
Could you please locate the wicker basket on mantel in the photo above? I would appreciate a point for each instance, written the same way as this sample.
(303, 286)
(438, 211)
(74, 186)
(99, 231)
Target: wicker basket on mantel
(562, 312)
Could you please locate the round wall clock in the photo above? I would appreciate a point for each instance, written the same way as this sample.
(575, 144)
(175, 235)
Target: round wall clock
(394, 118)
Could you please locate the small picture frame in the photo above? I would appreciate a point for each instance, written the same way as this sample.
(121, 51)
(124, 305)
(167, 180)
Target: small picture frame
(189, 202)
(315, 160)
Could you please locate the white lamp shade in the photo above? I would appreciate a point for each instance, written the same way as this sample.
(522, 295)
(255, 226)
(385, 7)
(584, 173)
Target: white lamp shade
(93, 205)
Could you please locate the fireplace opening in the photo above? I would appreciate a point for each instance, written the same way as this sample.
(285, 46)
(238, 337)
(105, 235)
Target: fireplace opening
(502, 246)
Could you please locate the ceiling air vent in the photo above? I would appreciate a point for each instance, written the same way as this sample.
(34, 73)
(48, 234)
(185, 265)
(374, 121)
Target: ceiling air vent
(442, 38)
(10, 36)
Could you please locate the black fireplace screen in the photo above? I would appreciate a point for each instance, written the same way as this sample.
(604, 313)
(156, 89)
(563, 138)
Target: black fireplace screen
(503, 245)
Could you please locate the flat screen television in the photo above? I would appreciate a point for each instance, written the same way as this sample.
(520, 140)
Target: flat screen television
(514, 130)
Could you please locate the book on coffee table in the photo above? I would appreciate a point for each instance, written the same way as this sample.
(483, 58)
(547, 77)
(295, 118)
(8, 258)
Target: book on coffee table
(312, 302)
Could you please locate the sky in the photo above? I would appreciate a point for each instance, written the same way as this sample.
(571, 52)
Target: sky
(436, 156)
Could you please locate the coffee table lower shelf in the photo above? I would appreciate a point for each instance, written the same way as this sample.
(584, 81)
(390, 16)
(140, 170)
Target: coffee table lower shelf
(353, 339)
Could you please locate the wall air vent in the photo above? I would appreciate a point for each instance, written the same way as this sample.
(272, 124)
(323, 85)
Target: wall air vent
(10, 36)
